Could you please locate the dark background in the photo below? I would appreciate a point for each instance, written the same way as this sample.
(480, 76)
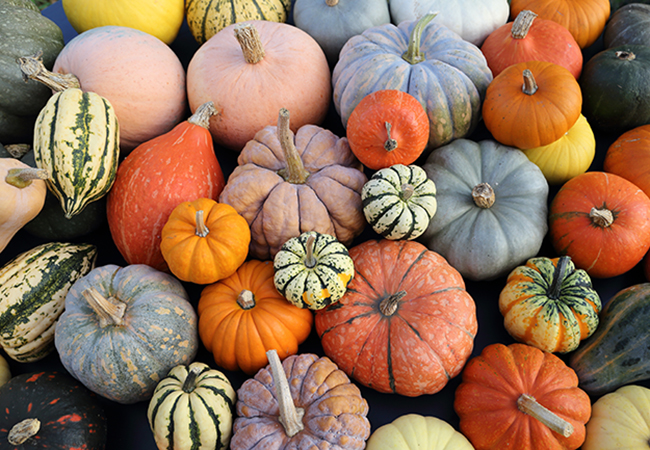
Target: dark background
(128, 426)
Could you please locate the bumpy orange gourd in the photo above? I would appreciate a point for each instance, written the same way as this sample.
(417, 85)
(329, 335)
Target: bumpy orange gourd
(531, 104)
(243, 316)
(204, 241)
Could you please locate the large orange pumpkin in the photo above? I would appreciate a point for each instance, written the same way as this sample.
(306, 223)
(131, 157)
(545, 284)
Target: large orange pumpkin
(531, 104)
(629, 157)
(498, 401)
(243, 316)
(405, 325)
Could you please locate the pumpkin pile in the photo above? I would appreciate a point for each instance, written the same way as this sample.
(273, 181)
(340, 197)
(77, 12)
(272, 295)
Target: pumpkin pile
(340, 224)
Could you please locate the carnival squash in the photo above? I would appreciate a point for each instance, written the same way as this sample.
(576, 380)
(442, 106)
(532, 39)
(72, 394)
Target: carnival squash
(303, 402)
(628, 25)
(629, 157)
(446, 74)
(243, 316)
(405, 325)
(154, 178)
(532, 103)
(602, 221)
(518, 396)
(48, 409)
(160, 19)
(204, 241)
(492, 207)
(5, 371)
(123, 329)
(286, 184)
(252, 69)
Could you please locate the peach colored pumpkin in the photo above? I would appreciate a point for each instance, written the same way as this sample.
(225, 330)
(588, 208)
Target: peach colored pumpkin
(293, 73)
(141, 76)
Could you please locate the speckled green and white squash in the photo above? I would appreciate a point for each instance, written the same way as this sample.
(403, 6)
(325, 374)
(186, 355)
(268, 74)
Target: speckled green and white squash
(76, 139)
(313, 270)
(33, 287)
(192, 408)
(124, 329)
(399, 201)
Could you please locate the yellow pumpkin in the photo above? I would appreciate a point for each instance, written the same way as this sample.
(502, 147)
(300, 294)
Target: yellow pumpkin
(568, 156)
(160, 18)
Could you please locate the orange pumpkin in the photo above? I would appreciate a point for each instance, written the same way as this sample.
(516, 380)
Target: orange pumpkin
(243, 316)
(629, 157)
(585, 19)
(204, 241)
(388, 127)
(531, 104)
(499, 401)
(405, 325)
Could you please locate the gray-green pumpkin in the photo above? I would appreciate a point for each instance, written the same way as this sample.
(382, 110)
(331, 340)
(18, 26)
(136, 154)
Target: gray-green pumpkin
(313, 270)
(124, 328)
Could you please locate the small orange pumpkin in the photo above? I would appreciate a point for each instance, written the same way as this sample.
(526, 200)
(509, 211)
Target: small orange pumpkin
(243, 316)
(204, 241)
(388, 127)
(540, 113)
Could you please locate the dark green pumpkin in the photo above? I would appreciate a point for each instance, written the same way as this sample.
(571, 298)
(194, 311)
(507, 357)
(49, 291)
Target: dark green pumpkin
(615, 88)
(69, 415)
(618, 352)
(628, 25)
(24, 31)
(616, 4)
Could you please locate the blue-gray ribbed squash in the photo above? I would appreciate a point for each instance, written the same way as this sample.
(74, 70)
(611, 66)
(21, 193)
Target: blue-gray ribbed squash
(124, 329)
(192, 408)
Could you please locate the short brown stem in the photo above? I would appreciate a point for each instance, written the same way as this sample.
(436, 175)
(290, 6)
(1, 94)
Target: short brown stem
(522, 24)
(110, 310)
(483, 195)
(331, 2)
(32, 68)
(528, 405)
(407, 191)
(18, 150)
(310, 261)
(201, 229)
(601, 217)
(246, 299)
(201, 116)
(625, 55)
(295, 171)
(390, 144)
(530, 85)
(190, 380)
(21, 177)
(23, 430)
(290, 416)
(250, 42)
(389, 304)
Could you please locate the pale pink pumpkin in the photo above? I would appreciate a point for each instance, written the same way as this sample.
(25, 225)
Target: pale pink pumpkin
(291, 71)
(139, 75)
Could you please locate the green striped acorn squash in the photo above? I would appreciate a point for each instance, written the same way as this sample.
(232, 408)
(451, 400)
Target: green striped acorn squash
(24, 31)
(205, 18)
(33, 287)
(399, 201)
(312, 270)
(76, 139)
(191, 408)
(618, 352)
(446, 74)
(124, 329)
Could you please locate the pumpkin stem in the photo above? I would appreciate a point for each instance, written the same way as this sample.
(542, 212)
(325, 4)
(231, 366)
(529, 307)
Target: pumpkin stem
(201, 229)
(250, 42)
(522, 23)
(295, 171)
(331, 2)
(407, 191)
(190, 380)
(32, 68)
(483, 195)
(23, 430)
(558, 277)
(528, 405)
(21, 177)
(201, 116)
(530, 85)
(290, 416)
(625, 55)
(413, 54)
(310, 261)
(601, 217)
(389, 304)
(109, 310)
(17, 150)
(390, 144)
(246, 299)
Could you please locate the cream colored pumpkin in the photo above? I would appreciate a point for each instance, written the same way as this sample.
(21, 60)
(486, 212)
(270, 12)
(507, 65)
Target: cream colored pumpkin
(160, 18)
(416, 432)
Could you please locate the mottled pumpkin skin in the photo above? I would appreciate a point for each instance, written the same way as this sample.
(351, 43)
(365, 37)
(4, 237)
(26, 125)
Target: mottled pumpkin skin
(125, 362)
(329, 202)
(335, 411)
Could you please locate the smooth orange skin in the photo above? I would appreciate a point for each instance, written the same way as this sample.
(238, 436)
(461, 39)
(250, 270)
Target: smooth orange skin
(629, 157)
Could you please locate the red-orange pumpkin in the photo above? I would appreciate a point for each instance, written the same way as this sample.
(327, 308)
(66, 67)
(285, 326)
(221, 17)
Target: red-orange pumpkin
(629, 157)
(405, 325)
(498, 400)
(602, 221)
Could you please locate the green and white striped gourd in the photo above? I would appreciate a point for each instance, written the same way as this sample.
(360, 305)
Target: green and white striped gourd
(76, 139)
(192, 408)
(399, 201)
(33, 287)
(313, 270)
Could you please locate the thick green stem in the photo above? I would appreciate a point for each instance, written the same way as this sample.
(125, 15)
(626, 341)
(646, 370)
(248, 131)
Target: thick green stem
(558, 277)
(413, 54)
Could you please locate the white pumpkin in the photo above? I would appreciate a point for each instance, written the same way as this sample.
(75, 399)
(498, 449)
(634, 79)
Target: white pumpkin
(473, 20)
(413, 432)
